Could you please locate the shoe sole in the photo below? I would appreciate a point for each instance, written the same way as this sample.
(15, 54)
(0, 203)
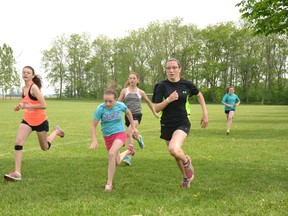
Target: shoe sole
(8, 178)
(126, 162)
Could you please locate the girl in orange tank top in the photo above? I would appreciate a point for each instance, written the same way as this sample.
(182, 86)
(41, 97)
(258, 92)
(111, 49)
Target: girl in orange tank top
(34, 119)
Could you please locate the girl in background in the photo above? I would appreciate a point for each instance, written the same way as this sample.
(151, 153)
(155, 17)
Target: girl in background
(131, 96)
(231, 101)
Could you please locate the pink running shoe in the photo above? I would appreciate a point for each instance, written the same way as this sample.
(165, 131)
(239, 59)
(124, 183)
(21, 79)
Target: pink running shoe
(131, 150)
(188, 168)
(60, 132)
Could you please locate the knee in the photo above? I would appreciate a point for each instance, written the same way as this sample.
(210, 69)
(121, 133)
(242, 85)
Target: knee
(111, 155)
(174, 151)
(45, 146)
(129, 133)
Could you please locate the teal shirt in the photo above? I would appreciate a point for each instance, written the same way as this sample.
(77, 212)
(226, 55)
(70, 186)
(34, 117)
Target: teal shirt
(111, 119)
(230, 99)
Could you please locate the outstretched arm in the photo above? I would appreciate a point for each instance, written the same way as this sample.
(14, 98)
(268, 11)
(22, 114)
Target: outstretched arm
(93, 126)
(204, 119)
(149, 103)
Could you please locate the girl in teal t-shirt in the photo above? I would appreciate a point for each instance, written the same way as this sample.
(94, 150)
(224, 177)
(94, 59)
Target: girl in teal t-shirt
(231, 101)
(109, 114)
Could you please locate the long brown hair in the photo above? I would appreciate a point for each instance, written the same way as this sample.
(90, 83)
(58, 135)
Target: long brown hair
(37, 79)
(228, 87)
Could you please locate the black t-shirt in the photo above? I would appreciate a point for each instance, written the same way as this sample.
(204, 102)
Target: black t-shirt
(175, 112)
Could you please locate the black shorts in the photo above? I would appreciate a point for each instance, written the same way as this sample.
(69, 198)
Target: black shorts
(39, 128)
(137, 117)
(167, 132)
(227, 111)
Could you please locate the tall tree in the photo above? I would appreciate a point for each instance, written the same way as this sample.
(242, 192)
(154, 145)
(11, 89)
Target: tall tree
(79, 51)
(54, 62)
(266, 16)
(8, 74)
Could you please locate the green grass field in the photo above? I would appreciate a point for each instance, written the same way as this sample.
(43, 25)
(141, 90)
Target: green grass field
(245, 173)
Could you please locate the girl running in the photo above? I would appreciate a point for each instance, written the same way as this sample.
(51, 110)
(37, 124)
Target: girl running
(34, 119)
(171, 98)
(113, 130)
(230, 100)
(131, 96)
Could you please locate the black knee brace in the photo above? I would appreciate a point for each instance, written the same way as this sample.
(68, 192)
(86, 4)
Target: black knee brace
(49, 145)
(18, 147)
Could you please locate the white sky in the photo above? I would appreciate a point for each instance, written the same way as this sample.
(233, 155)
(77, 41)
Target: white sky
(29, 26)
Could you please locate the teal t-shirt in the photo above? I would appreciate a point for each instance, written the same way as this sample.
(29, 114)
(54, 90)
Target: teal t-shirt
(230, 99)
(111, 119)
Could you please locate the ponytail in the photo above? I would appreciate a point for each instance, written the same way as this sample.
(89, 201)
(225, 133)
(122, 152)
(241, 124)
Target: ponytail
(38, 81)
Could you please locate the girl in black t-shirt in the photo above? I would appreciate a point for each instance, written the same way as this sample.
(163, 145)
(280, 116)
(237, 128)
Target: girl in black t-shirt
(171, 98)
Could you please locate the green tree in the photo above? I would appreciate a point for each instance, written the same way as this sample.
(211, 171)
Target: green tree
(79, 52)
(99, 69)
(8, 74)
(266, 16)
(54, 62)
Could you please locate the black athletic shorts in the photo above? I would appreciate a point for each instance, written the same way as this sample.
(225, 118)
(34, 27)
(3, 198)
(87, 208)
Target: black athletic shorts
(227, 111)
(167, 132)
(137, 117)
(39, 128)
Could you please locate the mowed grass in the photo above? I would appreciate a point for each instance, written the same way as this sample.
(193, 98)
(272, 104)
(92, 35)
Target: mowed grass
(245, 173)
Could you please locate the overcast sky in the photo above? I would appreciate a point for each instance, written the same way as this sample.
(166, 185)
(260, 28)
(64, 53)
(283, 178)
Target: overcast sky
(29, 26)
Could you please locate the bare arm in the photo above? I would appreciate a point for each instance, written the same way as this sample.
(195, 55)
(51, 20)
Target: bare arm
(122, 95)
(130, 118)
(204, 119)
(93, 127)
(149, 103)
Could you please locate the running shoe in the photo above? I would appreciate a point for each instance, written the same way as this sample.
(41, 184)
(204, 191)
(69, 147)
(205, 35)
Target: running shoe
(186, 183)
(188, 168)
(131, 150)
(140, 142)
(60, 132)
(227, 132)
(108, 187)
(127, 160)
(13, 176)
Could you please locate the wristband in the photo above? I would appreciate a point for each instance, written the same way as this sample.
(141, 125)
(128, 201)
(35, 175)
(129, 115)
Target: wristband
(167, 99)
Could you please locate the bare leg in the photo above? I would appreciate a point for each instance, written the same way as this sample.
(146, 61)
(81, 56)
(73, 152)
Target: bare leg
(229, 120)
(136, 136)
(175, 149)
(23, 132)
(113, 154)
(43, 139)
(121, 156)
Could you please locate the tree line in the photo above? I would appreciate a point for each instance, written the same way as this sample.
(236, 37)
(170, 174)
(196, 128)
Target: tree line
(213, 58)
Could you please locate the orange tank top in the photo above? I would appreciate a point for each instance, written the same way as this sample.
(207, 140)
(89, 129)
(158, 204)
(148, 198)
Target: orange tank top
(33, 117)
